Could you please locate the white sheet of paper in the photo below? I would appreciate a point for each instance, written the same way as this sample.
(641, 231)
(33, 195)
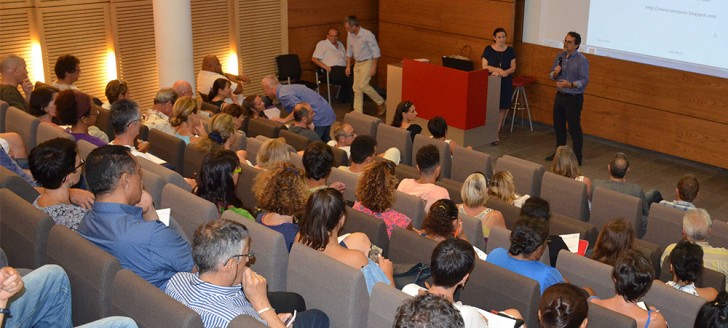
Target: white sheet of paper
(497, 321)
(272, 112)
(164, 214)
(572, 241)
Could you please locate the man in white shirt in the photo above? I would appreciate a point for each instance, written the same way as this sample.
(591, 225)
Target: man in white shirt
(362, 47)
(158, 116)
(330, 55)
(211, 71)
(127, 121)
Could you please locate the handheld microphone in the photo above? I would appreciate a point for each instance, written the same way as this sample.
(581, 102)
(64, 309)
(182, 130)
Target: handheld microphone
(561, 62)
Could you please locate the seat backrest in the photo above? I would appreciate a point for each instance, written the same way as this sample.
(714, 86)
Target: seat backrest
(47, 132)
(23, 231)
(166, 174)
(103, 122)
(585, 272)
(719, 234)
(349, 179)
(90, 270)
(169, 148)
(363, 124)
(664, 225)
(341, 158)
(374, 228)
(245, 321)
(297, 141)
(473, 229)
(85, 148)
(265, 127)
(328, 285)
(133, 297)
(679, 308)
(560, 225)
(453, 189)
(404, 171)
(601, 317)
(408, 247)
(411, 206)
(501, 238)
(511, 214)
(188, 209)
(653, 252)
(707, 278)
(22, 123)
(17, 185)
(608, 205)
(527, 175)
(491, 287)
(271, 254)
(252, 147)
(565, 196)
(289, 66)
(154, 185)
(244, 189)
(297, 160)
(194, 156)
(466, 161)
(383, 305)
(389, 136)
(442, 146)
(3, 112)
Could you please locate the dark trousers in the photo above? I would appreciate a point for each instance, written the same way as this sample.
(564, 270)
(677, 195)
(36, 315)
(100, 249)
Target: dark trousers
(567, 109)
(338, 76)
(286, 302)
(324, 132)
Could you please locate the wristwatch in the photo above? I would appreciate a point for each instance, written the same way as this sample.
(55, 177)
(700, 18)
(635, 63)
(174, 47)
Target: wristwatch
(5, 311)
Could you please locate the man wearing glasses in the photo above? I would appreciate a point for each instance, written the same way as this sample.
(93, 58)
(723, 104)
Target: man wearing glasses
(570, 70)
(226, 287)
(127, 122)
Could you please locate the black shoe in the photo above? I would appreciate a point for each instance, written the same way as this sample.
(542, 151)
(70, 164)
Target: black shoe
(550, 158)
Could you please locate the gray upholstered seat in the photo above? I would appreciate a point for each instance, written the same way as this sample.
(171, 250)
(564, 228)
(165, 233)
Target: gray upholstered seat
(245, 321)
(47, 132)
(166, 174)
(3, 112)
(261, 126)
(350, 180)
(154, 185)
(85, 148)
(90, 270)
(149, 306)
(442, 146)
(188, 209)
(389, 136)
(17, 185)
(341, 158)
(719, 234)
(271, 254)
(473, 229)
(585, 272)
(103, 122)
(252, 147)
(297, 160)
(23, 231)
(409, 247)
(453, 189)
(169, 148)
(364, 125)
(494, 288)
(511, 214)
(653, 252)
(244, 189)
(404, 171)
(411, 206)
(664, 225)
(560, 225)
(467, 161)
(383, 304)
(374, 228)
(297, 141)
(565, 196)
(22, 123)
(601, 317)
(194, 156)
(679, 308)
(527, 175)
(608, 205)
(328, 285)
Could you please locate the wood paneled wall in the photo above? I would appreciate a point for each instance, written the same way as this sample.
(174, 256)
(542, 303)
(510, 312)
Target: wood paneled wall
(309, 20)
(433, 28)
(665, 110)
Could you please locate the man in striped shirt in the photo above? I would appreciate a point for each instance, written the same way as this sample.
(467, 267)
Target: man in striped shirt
(225, 287)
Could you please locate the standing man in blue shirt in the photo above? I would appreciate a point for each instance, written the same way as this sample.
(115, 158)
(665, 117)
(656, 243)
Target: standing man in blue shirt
(571, 73)
(361, 45)
(291, 95)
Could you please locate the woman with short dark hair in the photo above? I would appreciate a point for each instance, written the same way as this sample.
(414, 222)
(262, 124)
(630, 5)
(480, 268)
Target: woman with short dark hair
(686, 265)
(217, 179)
(563, 306)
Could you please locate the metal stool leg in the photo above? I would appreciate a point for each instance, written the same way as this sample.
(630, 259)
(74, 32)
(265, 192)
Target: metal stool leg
(328, 85)
(528, 109)
(515, 106)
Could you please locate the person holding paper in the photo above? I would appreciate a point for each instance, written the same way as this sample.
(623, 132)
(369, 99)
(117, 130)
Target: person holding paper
(570, 70)
(124, 223)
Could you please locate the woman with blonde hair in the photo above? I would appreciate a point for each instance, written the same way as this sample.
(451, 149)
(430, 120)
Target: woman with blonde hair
(474, 195)
(272, 151)
(502, 188)
(222, 136)
(375, 193)
(186, 121)
(565, 164)
(281, 193)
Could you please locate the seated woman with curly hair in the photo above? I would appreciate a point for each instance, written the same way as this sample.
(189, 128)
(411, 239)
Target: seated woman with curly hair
(324, 217)
(281, 193)
(375, 193)
(503, 188)
(217, 180)
(442, 222)
(616, 237)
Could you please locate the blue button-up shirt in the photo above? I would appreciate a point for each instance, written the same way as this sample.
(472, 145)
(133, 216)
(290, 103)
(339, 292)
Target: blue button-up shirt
(148, 248)
(574, 69)
(291, 95)
(362, 46)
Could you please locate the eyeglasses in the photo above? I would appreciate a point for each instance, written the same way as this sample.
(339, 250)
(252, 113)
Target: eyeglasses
(568, 41)
(132, 122)
(79, 166)
(237, 170)
(250, 255)
(349, 135)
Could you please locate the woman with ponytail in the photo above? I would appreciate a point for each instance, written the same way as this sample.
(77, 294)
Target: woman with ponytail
(563, 306)
(222, 136)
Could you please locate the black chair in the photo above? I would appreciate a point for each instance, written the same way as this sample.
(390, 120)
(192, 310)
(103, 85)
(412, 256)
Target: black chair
(289, 70)
(322, 76)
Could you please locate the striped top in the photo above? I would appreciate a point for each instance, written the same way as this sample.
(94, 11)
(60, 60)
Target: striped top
(216, 305)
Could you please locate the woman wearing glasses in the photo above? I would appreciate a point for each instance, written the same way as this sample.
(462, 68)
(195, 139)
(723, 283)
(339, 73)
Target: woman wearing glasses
(217, 180)
(55, 164)
(404, 116)
(75, 108)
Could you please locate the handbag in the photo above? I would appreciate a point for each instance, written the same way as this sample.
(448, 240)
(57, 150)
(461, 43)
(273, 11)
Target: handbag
(405, 274)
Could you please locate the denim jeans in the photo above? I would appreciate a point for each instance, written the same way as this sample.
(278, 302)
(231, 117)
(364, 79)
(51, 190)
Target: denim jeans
(45, 300)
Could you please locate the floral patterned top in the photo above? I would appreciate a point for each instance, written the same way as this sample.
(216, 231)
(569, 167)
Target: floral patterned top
(66, 214)
(391, 217)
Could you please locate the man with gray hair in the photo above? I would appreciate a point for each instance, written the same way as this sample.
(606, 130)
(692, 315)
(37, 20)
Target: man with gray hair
(158, 116)
(127, 122)
(225, 286)
(290, 95)
(14, 73)
(697, 228)
(362, 48)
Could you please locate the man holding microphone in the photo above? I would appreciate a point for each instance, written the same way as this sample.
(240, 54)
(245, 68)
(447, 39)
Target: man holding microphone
(571, 73)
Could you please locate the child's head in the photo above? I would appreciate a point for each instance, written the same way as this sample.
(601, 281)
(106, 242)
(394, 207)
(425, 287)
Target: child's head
(437, 127)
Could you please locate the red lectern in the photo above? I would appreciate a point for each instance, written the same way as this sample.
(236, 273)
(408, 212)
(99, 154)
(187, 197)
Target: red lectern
(458, 96)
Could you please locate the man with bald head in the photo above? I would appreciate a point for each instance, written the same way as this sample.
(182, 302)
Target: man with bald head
(330, 55)
(211, 71)
(14, 73)
(183, 88)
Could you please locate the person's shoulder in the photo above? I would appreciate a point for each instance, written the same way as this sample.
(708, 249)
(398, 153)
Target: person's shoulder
(657, 320)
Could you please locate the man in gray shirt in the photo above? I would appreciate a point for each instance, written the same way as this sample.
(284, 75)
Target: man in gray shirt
(361, 45)
(618, 168)
(302, 119)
